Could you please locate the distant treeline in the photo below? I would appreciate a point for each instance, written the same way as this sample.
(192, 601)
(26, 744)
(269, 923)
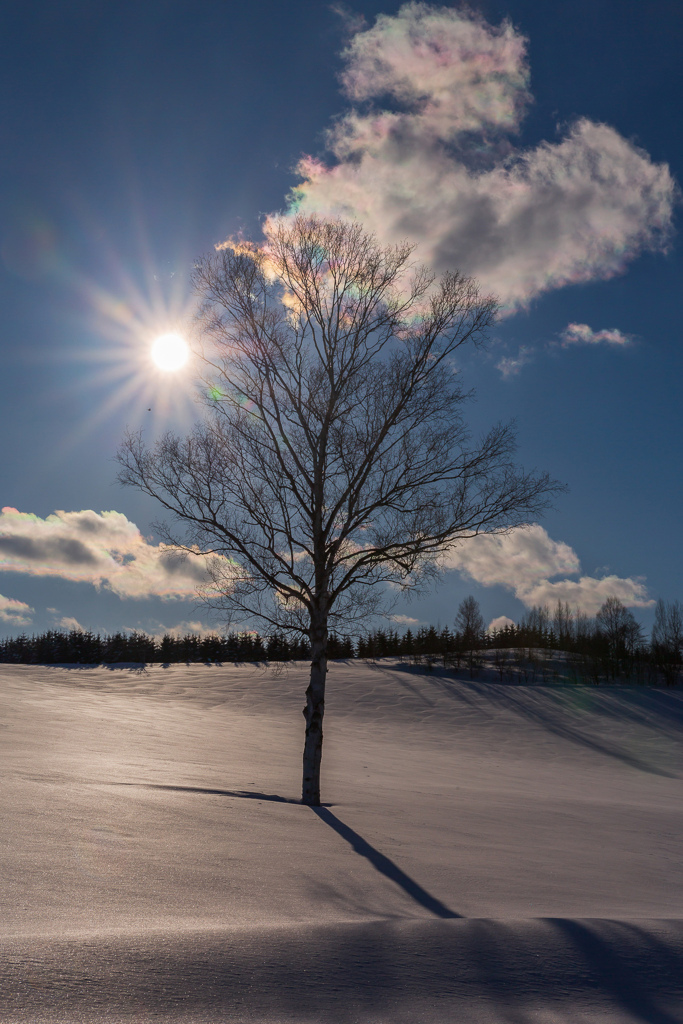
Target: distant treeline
(611, 645)
(59, 647)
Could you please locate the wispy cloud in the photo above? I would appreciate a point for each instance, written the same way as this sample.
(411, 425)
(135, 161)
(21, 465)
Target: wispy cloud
(104, 549)
(15, 613)
(582, 334)
(193, 627)
(510, 366)
(351, 20)
(426, 154)
(404, 620)
(525, 561)
(573, 334)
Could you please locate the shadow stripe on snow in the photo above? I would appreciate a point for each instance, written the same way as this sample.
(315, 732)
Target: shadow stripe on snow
(480, 971)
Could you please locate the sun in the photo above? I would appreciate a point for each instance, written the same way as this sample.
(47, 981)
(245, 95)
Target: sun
(170, 352)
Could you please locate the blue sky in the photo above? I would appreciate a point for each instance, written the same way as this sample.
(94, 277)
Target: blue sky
(542, 157)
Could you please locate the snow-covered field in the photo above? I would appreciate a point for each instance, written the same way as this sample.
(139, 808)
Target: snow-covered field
(488, 853)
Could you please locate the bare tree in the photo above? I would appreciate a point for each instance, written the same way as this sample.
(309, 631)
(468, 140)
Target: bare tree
(563, 625)
(333, 465)
(622, 633)
(469, 626)
(469, 621)
(667, 639)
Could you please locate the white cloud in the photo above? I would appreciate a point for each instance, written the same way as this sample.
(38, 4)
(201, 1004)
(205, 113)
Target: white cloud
(68, 622)
(193, 627)
(510, 366)
(516, 560)
(15, 613)
(573, 334)
(582, 334)
(104, 549)
(525, 562)
(404, 620)
(590, 593)
(499, 623)
(439, 169)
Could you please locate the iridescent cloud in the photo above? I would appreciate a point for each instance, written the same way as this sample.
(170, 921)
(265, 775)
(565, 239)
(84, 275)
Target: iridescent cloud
(582, 334)
(15, 613)
(439, 169)
(104, 549)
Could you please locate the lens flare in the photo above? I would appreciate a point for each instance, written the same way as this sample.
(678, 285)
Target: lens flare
(115, 312)
(170, 352)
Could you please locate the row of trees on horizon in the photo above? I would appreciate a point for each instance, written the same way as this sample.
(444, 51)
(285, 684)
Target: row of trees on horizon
(610, 645)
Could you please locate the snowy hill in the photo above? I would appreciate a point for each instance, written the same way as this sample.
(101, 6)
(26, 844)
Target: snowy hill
(487, 852)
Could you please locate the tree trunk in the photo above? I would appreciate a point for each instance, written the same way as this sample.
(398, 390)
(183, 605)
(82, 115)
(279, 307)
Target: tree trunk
(313, 713)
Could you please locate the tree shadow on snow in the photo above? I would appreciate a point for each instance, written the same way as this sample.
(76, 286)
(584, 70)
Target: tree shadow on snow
(553, 714)
(379, 861)
(241, 794)
(627, 963)
(385, 866)
(555, 707)
(510, 972)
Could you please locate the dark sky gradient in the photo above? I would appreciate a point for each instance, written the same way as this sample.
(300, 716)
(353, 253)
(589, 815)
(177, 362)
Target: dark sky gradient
(137, 135)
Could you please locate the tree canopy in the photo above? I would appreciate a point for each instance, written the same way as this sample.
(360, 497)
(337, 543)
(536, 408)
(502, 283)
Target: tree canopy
(334, 466)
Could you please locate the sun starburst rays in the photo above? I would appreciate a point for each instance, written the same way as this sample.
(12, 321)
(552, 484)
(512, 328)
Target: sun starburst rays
(137, 361)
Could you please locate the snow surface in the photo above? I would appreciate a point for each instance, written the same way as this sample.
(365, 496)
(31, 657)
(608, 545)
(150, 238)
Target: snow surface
(488, 853)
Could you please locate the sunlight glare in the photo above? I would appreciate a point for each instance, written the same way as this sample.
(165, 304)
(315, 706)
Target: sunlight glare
(170, 352)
